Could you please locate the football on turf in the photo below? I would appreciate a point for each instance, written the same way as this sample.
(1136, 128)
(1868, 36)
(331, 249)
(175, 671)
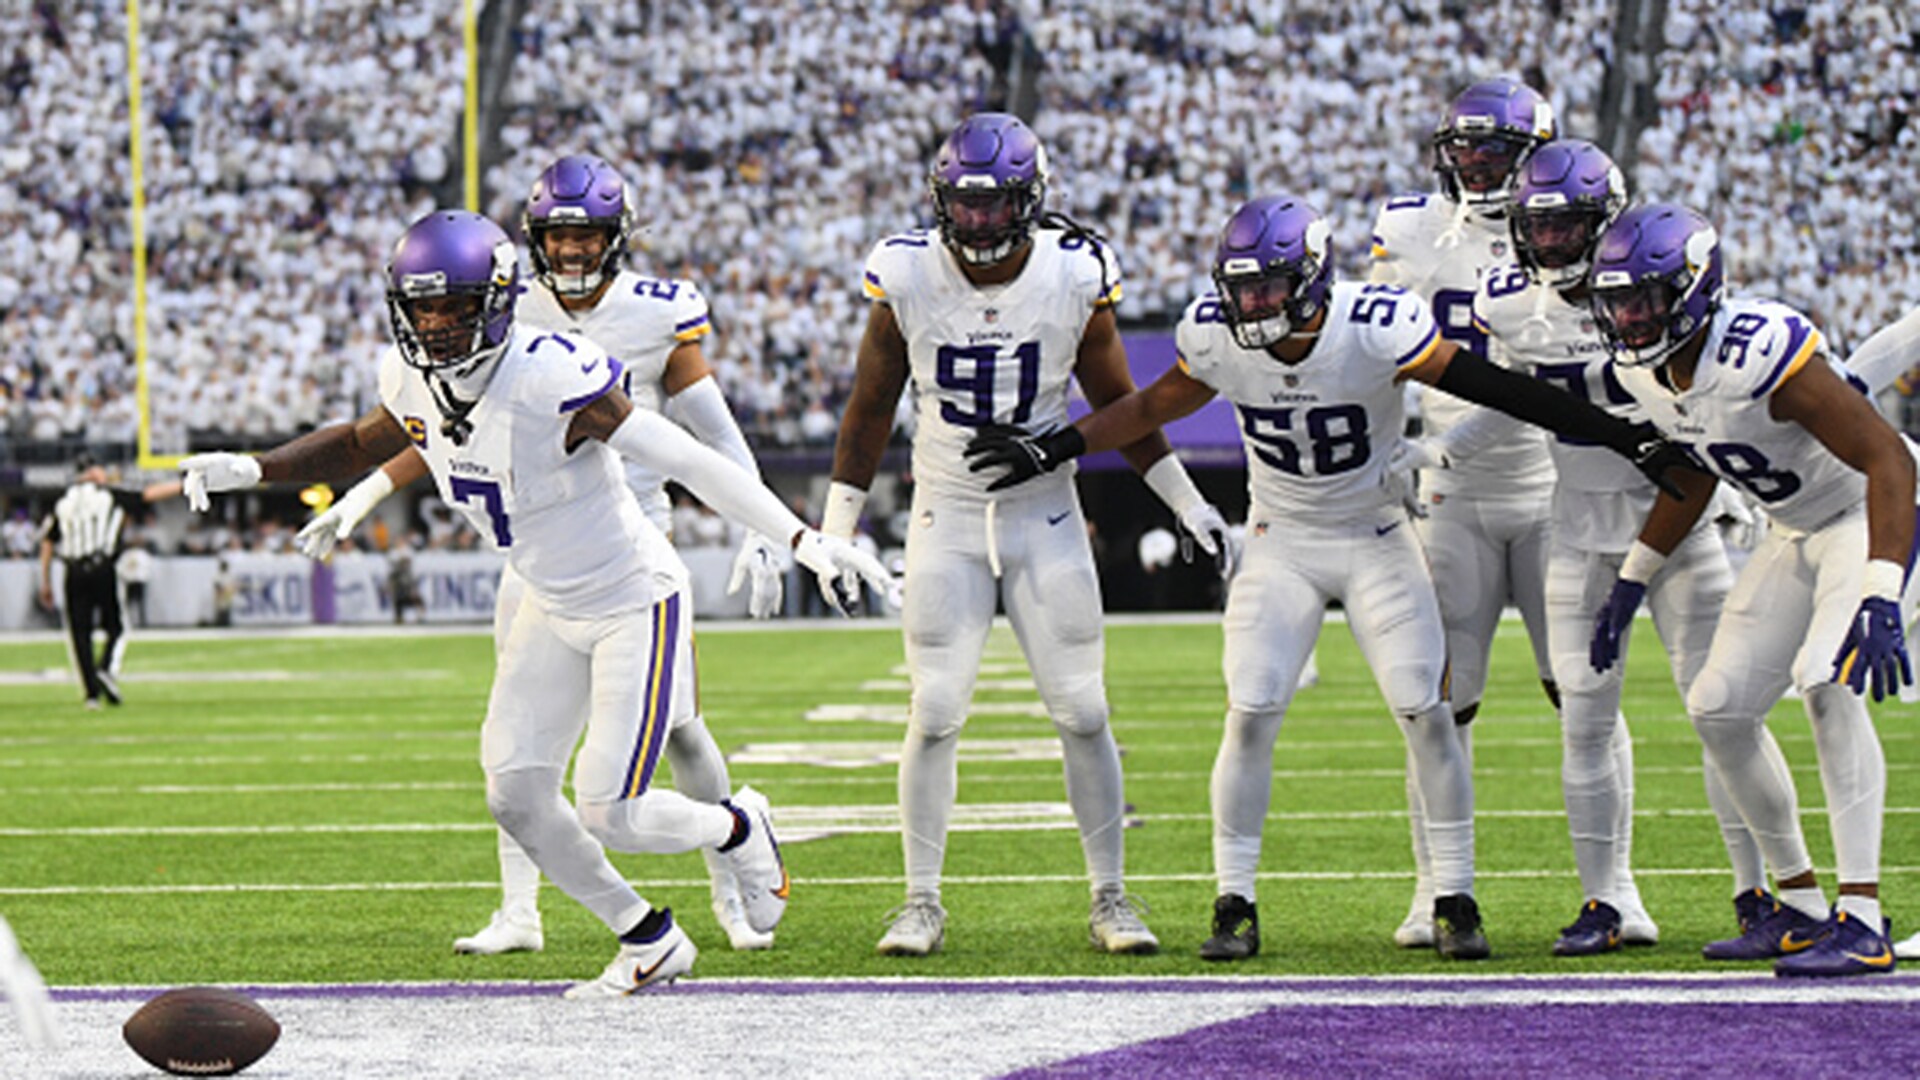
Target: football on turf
(201, 1031)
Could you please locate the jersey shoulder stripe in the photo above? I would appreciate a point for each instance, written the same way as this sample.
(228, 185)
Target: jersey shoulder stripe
(693, 329)
(1803, 343)
(581, 401)
(1422, 352)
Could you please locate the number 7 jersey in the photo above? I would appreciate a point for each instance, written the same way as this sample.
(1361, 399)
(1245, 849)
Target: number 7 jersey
(1318, 433)
(979, 355)
(1752, 347)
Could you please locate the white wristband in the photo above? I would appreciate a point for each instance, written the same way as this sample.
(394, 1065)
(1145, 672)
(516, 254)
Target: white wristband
(1884, 579)
(1169, 480)
(364, 496)
(1641, 563)
(842, 515)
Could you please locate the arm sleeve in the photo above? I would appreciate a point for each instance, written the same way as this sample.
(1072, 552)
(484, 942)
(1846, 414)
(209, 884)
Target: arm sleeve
(702, 409)
(1471, 376)
(1482, 430)
(1888, 354)
(663, 446)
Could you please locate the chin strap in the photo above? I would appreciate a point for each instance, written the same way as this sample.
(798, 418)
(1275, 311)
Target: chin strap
(454, 423)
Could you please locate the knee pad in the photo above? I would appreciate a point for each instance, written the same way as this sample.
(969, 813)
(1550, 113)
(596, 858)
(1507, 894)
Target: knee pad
(518, 797)
(1710, 697)
(1083, 710)
(940, 703)
(597, 819)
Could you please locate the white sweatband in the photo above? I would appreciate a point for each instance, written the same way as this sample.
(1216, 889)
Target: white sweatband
(1884, 579)
(1169, 480)
(704, 410)
(844, 505)
(360, 499)
(1641, 563)
(665, 447)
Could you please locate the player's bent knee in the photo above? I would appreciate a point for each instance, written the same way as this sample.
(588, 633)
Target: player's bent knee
(517, 798)
(1081, 711)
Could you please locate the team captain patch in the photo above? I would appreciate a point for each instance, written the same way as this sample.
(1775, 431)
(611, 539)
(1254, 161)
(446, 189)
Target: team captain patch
(416, 431)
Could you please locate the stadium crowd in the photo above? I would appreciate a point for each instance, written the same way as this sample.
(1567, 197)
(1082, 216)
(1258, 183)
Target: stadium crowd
(283, 141)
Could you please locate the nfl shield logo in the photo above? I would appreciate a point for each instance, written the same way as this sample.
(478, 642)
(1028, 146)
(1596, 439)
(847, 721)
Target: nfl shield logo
(1586, 326)
(1499, 249)
(1260, 529)
(1291, 381)
(991, 315)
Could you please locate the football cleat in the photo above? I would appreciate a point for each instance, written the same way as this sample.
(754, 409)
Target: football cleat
(917, 928)
(1779, 932)
(1847, 946)
(1115, 926)
(504, 933)
(1456, 928)
(639, 965)
(731, 913)
(1752, 906)
(757, 866)
(1908, 949)
(1597, 930)
(1236, 929)
(109, 686)
(1636, 926)
(1416, 930)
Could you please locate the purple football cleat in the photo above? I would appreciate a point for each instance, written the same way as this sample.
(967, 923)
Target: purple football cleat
(1596, 931)
(1849, 947)
(1782, 931)
(1752, 906)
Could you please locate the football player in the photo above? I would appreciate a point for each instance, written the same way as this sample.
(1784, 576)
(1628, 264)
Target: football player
(1314, 368)
(577, 221)
(1533, 310)
(1485, 521)
(1749, 386)
(523, 431)
(991, 315)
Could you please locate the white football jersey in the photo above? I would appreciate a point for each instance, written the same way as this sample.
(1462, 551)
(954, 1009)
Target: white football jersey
(640, 321)
(1752, 347)
(1318, 433)
(979, 355)
(1601, 500)
(567, 522)
(1424, 244)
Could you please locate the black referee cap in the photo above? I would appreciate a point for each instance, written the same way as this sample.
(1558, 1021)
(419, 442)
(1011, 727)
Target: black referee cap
(84, 462)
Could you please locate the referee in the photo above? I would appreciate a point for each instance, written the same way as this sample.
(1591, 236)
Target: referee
(84, 530)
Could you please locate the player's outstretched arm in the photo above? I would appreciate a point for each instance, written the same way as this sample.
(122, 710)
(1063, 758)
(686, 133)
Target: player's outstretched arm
(332, 453)
(1874, 653)
(1891, 352)
(694, 400)
(1024, 456)
(337, 522)
(1471, 376)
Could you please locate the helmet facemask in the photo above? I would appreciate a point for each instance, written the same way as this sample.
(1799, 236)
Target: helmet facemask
(1480, 167)
(984, 223)
(575, 257)
(1263, 306)
(1554, 244)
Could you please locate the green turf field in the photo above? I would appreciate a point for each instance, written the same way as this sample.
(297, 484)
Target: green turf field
(269, 809)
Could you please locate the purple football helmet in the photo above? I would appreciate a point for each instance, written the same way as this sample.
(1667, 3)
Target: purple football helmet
(988, 182)
(1569, 192)
(1274, 269)
(450, 289)
(1487, 133)
(583, 191)
(1656, 281)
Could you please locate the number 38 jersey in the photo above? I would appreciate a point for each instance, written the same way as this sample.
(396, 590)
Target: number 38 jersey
(640, 321)
(1318, 433)
(566, 521)
(1752, 348)
(999, 354)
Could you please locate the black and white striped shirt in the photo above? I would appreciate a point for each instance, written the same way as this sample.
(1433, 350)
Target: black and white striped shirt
(85, 524)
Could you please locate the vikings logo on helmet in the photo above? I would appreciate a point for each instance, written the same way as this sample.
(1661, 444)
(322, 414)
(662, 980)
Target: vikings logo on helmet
(1486, 135)
(988, 183)
(1656, 281)
(1569, 192)
(1274, 269)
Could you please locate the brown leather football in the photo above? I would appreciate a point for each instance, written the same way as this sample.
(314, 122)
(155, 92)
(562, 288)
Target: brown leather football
(201, 1031)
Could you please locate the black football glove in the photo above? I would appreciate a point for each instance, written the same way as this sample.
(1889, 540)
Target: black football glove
(1024, 456)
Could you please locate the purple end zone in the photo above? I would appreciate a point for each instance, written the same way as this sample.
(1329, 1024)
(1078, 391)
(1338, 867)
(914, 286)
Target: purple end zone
(1613, 1040)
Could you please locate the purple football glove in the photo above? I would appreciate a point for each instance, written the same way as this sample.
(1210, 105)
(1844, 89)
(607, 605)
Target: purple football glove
(1875, 648)
(1612, 621)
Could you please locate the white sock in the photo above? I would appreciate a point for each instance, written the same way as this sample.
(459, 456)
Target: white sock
(1808, 901)
(519, 882)
(1853, 770)
(1242, 787)
(1749, 866)
(1096, 791)
(1864, 908)
(1446, 794)
(929, 781)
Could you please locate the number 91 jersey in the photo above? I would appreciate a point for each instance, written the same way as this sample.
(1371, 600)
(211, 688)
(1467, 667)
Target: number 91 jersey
(1318, 433)
(999, 354)
(1752, 347)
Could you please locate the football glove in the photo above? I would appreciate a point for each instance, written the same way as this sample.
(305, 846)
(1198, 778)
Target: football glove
(1612, 621)
(841, 568)
(317, 539)
(1875, 650)
(1203, 522)
(203, 474)
(1023, 455)
(759, 563)
(1653, 454)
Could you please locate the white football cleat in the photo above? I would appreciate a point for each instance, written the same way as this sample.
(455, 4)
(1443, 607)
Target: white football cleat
(1416, 930)
(504, 933)
(757, 865)
(639, 966)
(919, 928)
(1115, 927)
(1908, 949)
(731, 913)
(1636, 926)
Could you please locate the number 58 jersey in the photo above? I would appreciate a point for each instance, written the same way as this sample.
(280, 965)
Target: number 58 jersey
(999, 354)
(1752, 347)
(1318, 433)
